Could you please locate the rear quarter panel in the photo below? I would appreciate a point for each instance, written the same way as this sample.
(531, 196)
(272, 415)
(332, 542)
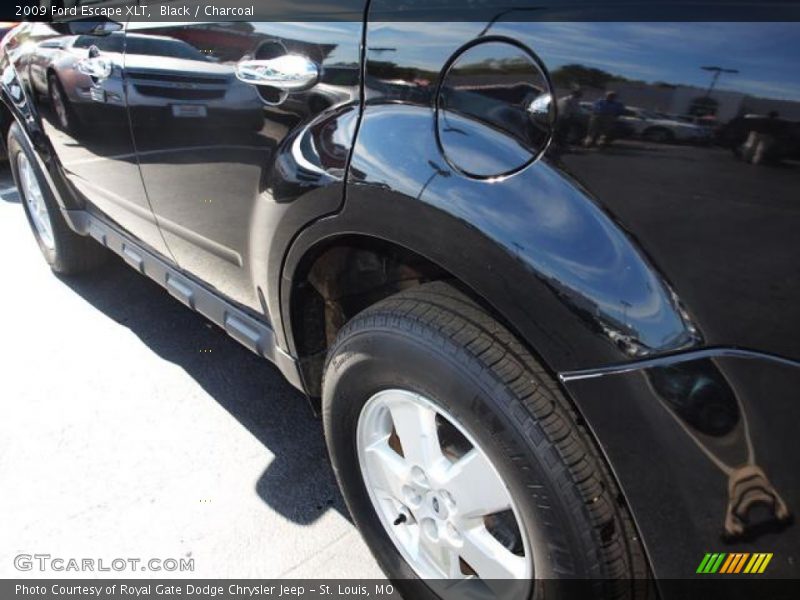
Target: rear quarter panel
(615, 255)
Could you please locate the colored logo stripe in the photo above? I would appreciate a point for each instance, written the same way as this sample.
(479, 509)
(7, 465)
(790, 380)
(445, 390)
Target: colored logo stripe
(716, 564)
(734, 563)
(737, 562)
(758, 563)
(703, 563)
(727, 564)
(711, 562)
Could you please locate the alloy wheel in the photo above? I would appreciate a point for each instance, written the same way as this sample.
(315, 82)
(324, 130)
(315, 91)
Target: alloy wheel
(34, 198)
(437, 493)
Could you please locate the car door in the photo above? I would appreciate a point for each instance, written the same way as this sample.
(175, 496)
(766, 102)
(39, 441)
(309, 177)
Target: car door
(77, 74)
(226, 157)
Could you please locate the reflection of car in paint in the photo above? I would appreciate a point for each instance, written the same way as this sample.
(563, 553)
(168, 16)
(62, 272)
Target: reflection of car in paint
(659, 127)
(53, 72)
(622, 129)
(169, 78)
(510, 109)
(5, 27)
(785, 134)
(165, 78)
(336, 85)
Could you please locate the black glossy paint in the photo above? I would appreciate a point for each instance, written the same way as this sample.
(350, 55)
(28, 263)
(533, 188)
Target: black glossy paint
(704, 452)
(93, 147)
(221, 178)
(650, 265)
(201, 167)
(601, 255)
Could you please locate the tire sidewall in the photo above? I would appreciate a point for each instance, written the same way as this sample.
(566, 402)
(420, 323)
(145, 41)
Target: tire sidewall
(15, 147)
(54, 83)
(659, 135)
(374, 360)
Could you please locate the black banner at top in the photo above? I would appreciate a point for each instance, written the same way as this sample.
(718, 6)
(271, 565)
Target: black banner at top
(401, 10)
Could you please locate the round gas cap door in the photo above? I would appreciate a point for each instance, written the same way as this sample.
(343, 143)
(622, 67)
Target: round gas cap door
(494, 109)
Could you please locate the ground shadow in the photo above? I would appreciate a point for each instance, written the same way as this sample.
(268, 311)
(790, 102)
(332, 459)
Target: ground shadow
(12, 195)
(299, 482)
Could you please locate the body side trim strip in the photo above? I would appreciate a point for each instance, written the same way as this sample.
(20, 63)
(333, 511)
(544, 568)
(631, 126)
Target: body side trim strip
(672, 359)
(253, 334)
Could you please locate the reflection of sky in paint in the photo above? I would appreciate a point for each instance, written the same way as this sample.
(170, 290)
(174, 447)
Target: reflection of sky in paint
(577, 247)
(321, 33)
(672, 52)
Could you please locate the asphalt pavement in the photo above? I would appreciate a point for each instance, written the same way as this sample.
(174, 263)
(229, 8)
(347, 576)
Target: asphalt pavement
(133, 428)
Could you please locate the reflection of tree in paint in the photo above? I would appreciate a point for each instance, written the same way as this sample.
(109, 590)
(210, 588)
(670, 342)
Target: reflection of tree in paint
(581, 75)
(229, 42)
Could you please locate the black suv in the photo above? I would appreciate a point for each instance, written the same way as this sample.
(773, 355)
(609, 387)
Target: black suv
(537, 355)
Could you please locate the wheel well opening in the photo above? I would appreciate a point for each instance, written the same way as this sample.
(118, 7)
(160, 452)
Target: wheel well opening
(340, 279)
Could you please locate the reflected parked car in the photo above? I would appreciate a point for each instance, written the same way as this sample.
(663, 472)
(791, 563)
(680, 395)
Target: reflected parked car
(662, 128)
(622, 128)
(786, 135)
(54, 72)
(5, 27)
(167, 78)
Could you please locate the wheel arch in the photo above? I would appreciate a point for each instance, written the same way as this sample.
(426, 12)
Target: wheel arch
(340, 238)
(528, 289)
(340, 274)
(342, 249)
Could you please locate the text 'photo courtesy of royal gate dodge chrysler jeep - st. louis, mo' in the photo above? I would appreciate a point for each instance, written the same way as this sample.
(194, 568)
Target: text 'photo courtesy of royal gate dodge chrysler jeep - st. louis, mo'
(537, 264)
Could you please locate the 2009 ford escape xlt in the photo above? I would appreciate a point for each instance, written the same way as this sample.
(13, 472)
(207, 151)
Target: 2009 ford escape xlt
(549, 338)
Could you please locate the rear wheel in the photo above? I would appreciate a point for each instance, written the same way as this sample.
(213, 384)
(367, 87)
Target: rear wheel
(459, 458)
(59, 102)
(448, 501)
(63, 249)
(658, 135)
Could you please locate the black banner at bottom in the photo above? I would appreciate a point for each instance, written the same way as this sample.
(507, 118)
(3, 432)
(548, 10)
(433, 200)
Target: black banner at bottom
(722, 588)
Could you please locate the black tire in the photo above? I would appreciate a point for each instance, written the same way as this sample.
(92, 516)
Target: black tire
(68, 119)
(434, 341)
(659, 135)
(72, 253)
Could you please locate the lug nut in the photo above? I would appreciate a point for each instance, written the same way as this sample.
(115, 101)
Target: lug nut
(430, 529)
(412, 496)
(418, 475)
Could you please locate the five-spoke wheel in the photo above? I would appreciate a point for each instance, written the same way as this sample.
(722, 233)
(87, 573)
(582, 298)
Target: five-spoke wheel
(436, 491)
(34, 198)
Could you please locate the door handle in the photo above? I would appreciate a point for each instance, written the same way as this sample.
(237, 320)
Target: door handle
(290, 72)
(95, 66)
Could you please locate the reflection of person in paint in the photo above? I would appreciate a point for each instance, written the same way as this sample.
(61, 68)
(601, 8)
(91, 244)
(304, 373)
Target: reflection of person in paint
(709, 411)
(762, 139)
(569, 107)
(604, 118)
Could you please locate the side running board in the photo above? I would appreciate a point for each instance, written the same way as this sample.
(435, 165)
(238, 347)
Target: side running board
(252, 333)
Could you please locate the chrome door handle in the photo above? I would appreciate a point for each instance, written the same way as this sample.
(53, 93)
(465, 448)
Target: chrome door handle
(290, 72)
(97, 67)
